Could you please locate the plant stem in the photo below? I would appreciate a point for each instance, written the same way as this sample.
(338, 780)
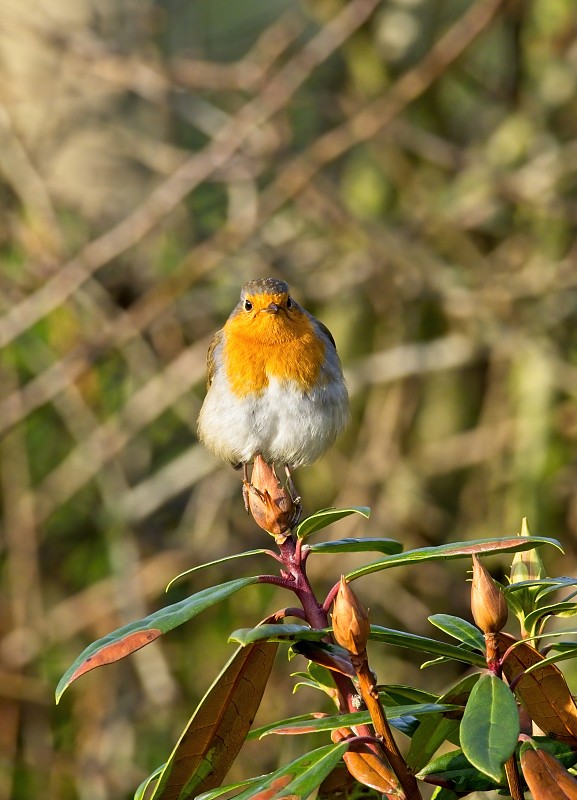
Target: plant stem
(382, 729)
(513, 778)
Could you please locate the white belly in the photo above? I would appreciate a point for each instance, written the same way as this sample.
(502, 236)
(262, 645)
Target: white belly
(284, 424)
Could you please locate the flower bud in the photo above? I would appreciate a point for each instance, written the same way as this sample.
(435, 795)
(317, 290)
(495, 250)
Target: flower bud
(527, 565)
(271, 506)
(350, 620)
(488, 602)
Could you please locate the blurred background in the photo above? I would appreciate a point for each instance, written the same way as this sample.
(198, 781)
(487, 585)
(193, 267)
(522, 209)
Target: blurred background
(410, 168)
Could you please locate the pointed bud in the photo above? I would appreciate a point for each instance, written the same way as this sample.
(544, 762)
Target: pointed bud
(350, 620)
(527, 566)
(488, 602)
(271, 506)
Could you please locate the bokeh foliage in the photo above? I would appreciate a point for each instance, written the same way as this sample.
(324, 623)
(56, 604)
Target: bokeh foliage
(409, 167)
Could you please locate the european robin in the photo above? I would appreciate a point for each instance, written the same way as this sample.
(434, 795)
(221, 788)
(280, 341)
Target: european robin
(275, 383)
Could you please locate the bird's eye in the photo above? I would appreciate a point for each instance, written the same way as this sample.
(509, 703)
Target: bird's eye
(247, 305)
(289, 303)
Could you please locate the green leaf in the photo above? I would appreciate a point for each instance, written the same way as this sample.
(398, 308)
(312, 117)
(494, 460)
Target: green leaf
(425, 645)
(556, 610)
(218, 728)
(460, 629)
(508, 544)
(257, 733)
(440, 793)
(327, 655)
(455, 769)
(490, 726)
(429, 736)
(260, 551)
(434, 730)
(277, 633)
(141, 791)
(553, 584)
(301, 777)
(356, 546)
(295, 633)
(319, 724)
(220, 790)
(565, 651)
(325, 517)
(125, 640)
(398, 694)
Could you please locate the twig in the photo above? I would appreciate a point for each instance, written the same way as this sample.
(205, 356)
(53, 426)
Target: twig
(162, 200)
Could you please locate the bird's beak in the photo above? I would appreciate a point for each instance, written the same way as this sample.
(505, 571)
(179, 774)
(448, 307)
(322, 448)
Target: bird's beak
(272, 308)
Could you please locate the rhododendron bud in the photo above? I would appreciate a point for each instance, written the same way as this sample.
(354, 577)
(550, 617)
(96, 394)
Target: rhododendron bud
(270, 504)
(350, 620)
(488, 602)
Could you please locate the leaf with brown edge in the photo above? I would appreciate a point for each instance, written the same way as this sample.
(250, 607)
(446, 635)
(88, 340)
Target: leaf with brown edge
(219, 726)
(546, 777)
(369, 767)
(340, 785)
(117, 650)
(125, 640)
(543, 692)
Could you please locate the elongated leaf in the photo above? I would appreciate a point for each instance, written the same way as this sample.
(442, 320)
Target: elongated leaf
(356, 546)
(369, 767)
(140, 793)
(555, 610)
(298, 779)
(553, 584)
(258, 733)
(456, 770)
(546, 777)
(460, 629)
(429, 736)
(220, 790)
(219, 726)
(546, 585)
(425, 645)
(441, 793)
(326, 655)
(234, 557)
(319, 723)
(544, 691)
(125, 640)
(435, 729)
(565, 650)
(341, 785)
(490, 726)
(395, 694)
(510, 544)
(295, 633)
(327, 516)
(277, 633)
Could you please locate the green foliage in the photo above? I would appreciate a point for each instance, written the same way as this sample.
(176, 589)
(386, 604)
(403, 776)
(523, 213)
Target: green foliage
(480, 713)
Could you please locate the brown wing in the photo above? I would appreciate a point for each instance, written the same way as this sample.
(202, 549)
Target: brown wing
(210, 361)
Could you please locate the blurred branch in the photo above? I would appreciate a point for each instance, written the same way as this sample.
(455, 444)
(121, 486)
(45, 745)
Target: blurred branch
(412, 359)
(198, 168)
(142, 408)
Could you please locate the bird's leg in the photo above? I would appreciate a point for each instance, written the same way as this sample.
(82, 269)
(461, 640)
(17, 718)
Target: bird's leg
(246, 486)
(291, 488)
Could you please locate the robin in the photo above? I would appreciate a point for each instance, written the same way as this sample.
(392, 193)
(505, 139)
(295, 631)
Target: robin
(275, 383)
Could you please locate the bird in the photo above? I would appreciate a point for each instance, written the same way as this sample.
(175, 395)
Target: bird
(275, 385)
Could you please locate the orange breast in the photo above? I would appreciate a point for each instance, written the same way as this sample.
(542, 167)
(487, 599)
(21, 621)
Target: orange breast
(271, 346)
